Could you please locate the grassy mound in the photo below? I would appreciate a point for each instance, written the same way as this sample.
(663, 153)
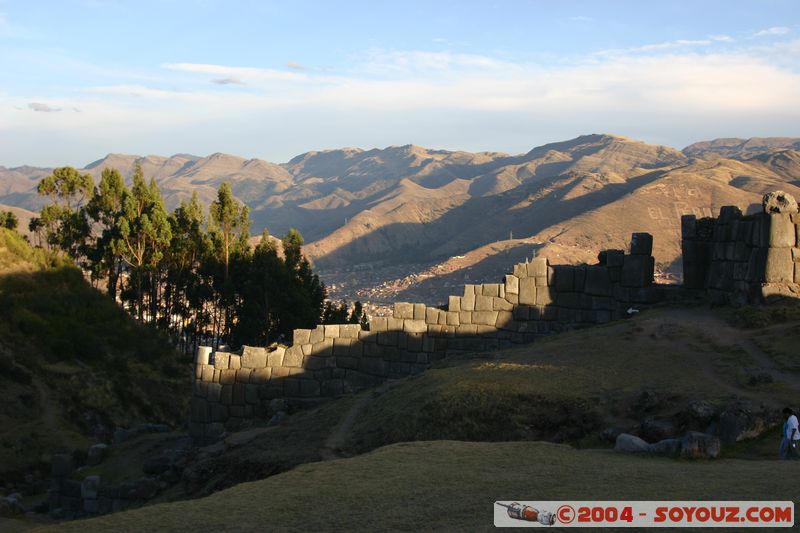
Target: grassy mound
(447, 486)
(73, 364)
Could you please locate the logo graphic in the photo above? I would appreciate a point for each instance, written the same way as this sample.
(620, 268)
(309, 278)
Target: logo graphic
(529, 514)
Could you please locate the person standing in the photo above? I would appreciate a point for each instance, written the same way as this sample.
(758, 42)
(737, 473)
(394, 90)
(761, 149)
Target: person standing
(790, 436)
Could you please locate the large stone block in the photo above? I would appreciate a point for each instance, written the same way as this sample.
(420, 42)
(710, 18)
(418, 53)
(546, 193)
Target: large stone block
(564, 278)
(483, 303)
(580, 278)
(317, 334)
(226, 395)
(545, 295)
(688, 226)
(521, 270)
(208, 373)
(468, 300)
(527, 291)
(511, 284)
(415, 326)
(235, 362)
(227, 377)
(221, 360)
(403, 310)
(395, 324)
(238, 393)
(275, 357)
(641, 244)
(453, 304)
(782, 232)
(301, 336)
(568, 299)
(488, 318)
(779, 266)
(465, 317)
(261, 375)
(379, 323)
(490, 289)
(419, 311)
(367, 337)
(342, 346)
(331, 331)
(537, 267)
(452, 318)
(637, 271)
(293, 357)
(243, 375)
(315, 362)
(505, 319)
(213, 392)
(387, 338)
(349, 331)
(501, 304)
(598, 282)
(254, 357)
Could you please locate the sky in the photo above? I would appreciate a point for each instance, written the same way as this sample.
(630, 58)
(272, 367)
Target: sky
(269, 79)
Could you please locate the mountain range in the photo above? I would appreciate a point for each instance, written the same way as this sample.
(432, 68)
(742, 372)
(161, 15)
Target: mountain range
(471, 214)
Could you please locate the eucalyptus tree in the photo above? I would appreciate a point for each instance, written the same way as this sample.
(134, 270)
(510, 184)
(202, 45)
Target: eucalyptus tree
(143, 234)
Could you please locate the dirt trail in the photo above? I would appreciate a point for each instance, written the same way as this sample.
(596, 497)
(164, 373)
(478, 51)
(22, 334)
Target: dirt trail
(338, 437)
(48, 412)
(718, 331)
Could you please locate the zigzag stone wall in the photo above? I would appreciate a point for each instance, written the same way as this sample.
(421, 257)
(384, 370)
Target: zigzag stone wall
(331, 360)
(739, 259)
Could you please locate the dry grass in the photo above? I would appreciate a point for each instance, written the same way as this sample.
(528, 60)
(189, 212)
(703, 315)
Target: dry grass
(447, 486)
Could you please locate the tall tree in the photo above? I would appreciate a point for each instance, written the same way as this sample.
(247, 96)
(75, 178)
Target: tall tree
(64, 220)
(144, 232)
(105, 209)
(229, 222)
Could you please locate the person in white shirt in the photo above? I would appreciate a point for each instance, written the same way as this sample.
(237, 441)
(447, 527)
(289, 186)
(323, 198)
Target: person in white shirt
(790, 436)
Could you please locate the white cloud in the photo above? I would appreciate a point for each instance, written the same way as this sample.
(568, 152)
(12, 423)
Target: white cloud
(721, 38)
(770, 32)
(245, 74)
(678, 89)
(43, 108)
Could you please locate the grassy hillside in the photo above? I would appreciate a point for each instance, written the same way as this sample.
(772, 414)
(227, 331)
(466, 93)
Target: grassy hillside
(566, 388)
(570, 387)
(74, 365)
(447, 486)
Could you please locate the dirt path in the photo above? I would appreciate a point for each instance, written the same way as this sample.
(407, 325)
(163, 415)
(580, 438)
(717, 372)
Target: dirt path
(48, 411)
(338, 437)
(718, 331)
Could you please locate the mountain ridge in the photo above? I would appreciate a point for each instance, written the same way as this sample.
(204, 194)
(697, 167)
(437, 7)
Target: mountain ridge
(410, 204)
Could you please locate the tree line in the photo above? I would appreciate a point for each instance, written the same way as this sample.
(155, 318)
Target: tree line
(188, 272)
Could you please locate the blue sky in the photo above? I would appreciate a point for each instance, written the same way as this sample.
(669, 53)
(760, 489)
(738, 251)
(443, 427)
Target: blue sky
(274, 79)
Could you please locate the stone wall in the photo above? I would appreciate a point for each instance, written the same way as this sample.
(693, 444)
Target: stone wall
(742, 258)
(331, 360)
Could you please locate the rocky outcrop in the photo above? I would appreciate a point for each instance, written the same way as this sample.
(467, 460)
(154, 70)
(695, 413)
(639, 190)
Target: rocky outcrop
(693, 445)
(779, 202)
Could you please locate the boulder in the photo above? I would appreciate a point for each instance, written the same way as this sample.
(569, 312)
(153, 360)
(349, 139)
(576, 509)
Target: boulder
(656, 429)
(667, 447)
(698, 414)
(96, 454)
(628, 443)
(696, 445)
(89, 487)
(779, 202)
(742, 420)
